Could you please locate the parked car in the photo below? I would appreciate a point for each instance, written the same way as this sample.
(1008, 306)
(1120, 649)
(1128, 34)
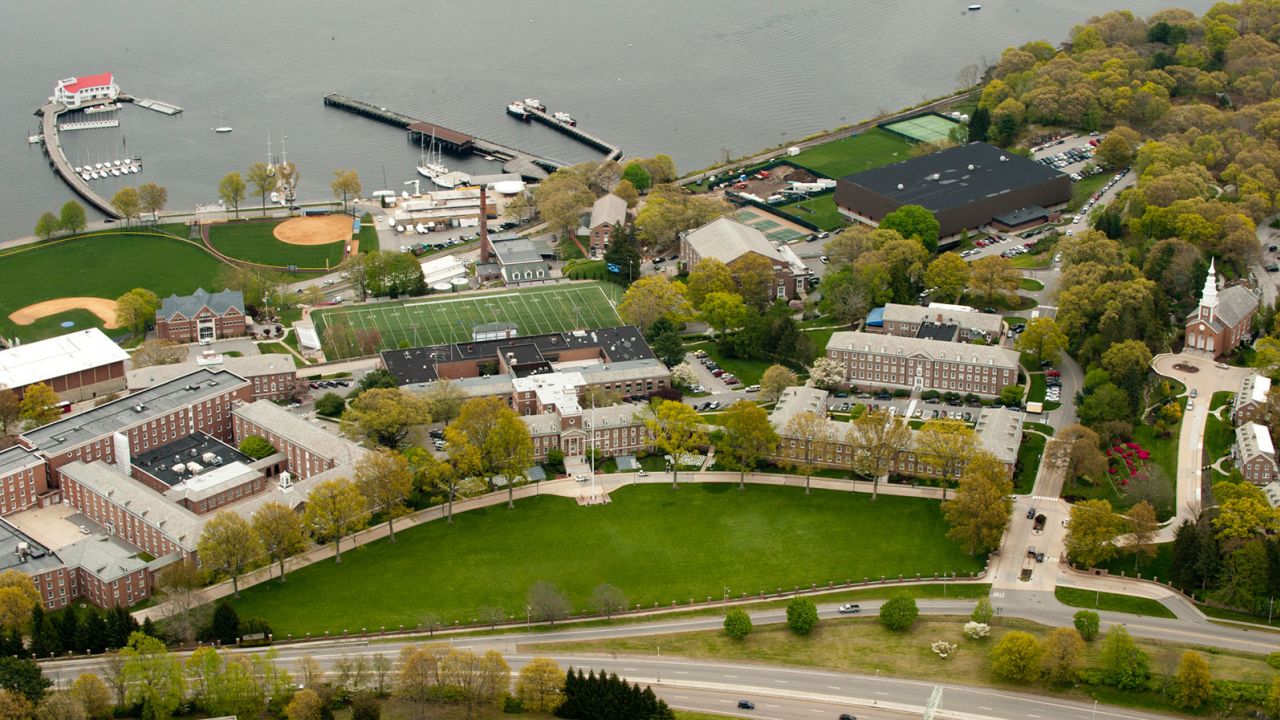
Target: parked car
(752, 388)
(1031, 514)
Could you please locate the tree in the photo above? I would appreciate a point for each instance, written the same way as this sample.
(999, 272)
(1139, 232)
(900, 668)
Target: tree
(1042, 339)
(737, 624)
(708, 276)
(1091, 532)
(153, 198)
(330, 405)
(22, 676)
(1240, 518)
(1017, 657)
(346, 183)
(1106, 403)
(914, 221)
(899, 612)
(607, 599)
(93, 695)
(635, 173)
(127, 202)
(1062, 650)
(877, 440)
(677, 431)
(39, 405)
(652, 297)
(47, 226)
(979, 123)
(724, 311)
(664, 338)
(1143, 527)
(982, 505)
(14, 706)
(178, 584)
(511, 444)
(136, 309)
(1117, 149)
(627, 191)
(994, 275)
(756, 280)
(335, 509)
(560, 199)
(385, 415)
(540, 686)
(152, 677)
(1128, 363)
(982, 611)
(547, 602)
(945, 447)
(1075, 449)
(231, 190)
(225, 625)
(748, 438)
(18, 598)
(1126, 665)
(949, 273)
(158, 352)
(1087, 623)
(264, 180)
(305, 705)
(10, 412)
(71, 218)
(280, 532)
(814, 434)
(386, 482)
(775, 380)
(1194, 683)
(256, 447)
(802, 616)
(669, 211)
(228, 546)
(1273, 697)
(444, 399)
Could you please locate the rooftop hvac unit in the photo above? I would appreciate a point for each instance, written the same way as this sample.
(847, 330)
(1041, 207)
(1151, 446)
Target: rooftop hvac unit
(208, 458)
(195, 468)
(179, 469)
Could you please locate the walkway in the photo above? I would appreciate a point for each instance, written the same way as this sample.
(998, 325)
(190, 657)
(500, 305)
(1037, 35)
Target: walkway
(53, 148)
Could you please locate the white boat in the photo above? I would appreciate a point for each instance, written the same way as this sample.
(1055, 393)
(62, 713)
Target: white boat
(33, 139)
(117, 163)
(451, 180)
(135, 169)
(429, 164)
(223, 129)
(275, 197)
(115, 172)
(97, 166)
(565, 118)
(101, 109)
(518, 111)
(535, 104)
(84, 176)
(973, 8)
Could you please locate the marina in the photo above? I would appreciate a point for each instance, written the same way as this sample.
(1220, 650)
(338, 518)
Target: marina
(49, 113)
(563, 123)
(148, 103)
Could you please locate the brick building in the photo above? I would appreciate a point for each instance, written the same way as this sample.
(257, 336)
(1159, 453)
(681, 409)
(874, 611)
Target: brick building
(24, 477)
(913, 363)
(1255, 454)
(307, 450)
(271, 376)
(1223, 319)
(730, 241)
(957, 323)
(202, 316)
(607, 213)
(611, 431)
(1251, 398)
(78, 366)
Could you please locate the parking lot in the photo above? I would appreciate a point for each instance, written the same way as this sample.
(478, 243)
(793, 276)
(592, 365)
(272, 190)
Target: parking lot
(1069, 155)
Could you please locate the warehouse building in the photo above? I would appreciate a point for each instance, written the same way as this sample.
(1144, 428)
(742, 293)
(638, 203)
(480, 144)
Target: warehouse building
(78, 366)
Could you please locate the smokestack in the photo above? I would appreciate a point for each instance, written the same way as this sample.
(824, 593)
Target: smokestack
(486, 249)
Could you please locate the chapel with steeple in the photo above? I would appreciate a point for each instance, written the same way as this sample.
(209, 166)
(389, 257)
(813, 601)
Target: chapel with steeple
(1223, 319)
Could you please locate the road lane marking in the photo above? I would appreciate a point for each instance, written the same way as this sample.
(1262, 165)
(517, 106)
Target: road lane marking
(833, 687)
(679, 672)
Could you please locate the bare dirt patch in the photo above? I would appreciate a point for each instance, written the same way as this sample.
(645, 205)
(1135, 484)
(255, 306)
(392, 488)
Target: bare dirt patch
(103, 308)
(320, 230)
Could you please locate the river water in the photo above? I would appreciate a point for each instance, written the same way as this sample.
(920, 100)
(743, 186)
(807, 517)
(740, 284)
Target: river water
(694, 79)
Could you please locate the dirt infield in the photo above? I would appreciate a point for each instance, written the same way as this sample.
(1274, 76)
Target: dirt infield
(103, 308)
(320, 230)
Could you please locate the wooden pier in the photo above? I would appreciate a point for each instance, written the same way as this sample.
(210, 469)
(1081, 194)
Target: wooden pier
(148, 103)
(528, 165)
(49, 113)
(612, 152)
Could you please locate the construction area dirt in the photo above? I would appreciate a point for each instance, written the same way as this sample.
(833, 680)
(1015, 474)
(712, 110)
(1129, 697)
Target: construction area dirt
(774, 182)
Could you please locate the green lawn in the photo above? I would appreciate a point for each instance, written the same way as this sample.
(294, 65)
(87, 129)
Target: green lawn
(746, 369)
(103, 264)
(1029, 454)
(656, 544)
(1038, 427)
(1218, 434)
(1031, 284)
(820, 211)
(253, 241)
(820, 339)
(863, 151)
(1038, 388)
(368, 234)
(1032, 262)
(1113, 602)
(1159, 565)
(1081, 191)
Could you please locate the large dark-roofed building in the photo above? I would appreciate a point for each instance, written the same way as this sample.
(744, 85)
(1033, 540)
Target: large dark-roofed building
(964, 187)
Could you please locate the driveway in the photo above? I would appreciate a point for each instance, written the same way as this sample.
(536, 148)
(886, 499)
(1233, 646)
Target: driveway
(243, 346)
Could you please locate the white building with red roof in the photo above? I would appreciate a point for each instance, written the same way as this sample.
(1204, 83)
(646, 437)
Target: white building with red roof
(75, 92)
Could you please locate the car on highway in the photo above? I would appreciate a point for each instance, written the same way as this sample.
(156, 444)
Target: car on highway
(850, 609)
(746, 705)
(847, 716)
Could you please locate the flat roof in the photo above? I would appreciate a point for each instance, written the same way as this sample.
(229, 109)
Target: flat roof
(1021, 216)
(247, 367)
(441, 133)
(117, 415)
(17, 458)
(83, 350)
(37, 559)
(938, 331)
(299, 431)
(954, 177)
(941, 313)
(162, 462)
(176, 522)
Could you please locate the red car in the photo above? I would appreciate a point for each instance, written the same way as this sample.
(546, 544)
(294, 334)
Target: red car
(1053, 373)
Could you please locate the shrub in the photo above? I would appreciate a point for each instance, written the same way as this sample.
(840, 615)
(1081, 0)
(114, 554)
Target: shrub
(976, 630)
(256, 447)
(737, 624)
(1087, 623)
(802, 616)
(1274, 660)
(365, 707)
(1017, 657)
(1127, 666)
(943, 649)
(899, 612)
(330, 405)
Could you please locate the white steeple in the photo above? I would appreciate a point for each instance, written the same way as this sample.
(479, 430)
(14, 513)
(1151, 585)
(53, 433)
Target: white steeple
(1209, 296)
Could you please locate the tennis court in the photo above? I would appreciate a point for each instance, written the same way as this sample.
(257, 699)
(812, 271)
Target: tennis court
(451, 319)
(775, 228)
(929, 128)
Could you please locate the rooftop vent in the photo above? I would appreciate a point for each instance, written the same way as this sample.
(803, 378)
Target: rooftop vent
(970, 166)
(139, 408)
(1004, 159)
(900, 187)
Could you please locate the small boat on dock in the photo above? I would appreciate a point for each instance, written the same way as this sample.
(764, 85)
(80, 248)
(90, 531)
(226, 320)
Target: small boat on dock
(518, 111)
(33, 139)
(535, 104)
(974, 8)
(565, 118)
(222, 129)
(109, 107)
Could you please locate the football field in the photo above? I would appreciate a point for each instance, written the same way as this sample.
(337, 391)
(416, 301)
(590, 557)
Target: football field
(450, 319)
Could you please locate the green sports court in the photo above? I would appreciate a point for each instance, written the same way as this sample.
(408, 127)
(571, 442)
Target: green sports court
(450, 319)
(772, 226)
(929, 128)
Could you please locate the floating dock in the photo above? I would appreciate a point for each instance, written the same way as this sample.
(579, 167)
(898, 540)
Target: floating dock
(89, 124)
(49, 113)
(528, 165)
(612, 152)
(148, 103)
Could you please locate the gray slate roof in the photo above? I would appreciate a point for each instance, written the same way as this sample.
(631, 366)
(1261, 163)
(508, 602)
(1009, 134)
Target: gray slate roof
(188, 305)
(608, 210)
(300, 432)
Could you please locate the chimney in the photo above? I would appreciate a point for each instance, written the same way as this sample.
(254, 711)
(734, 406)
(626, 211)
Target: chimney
(486, 249)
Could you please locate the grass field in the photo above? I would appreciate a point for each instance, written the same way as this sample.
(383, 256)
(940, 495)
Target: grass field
(105, 264)
(253, 241)
(1159, 565)
(860, 152)
(824, 213)
(656, 544)
(1029, 454)
(428, 321)
(1113, 602)
(1081, 191)
(368, 234)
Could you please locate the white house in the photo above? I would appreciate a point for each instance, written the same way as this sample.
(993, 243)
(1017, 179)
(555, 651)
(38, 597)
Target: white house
(75, 92)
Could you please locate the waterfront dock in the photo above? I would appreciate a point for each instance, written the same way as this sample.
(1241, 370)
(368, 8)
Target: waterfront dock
(527, 165)
(49, 113)
(611, 151)
(148, 103)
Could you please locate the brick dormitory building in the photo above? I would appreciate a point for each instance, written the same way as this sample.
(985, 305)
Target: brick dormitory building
(98, 502)
(873, 360)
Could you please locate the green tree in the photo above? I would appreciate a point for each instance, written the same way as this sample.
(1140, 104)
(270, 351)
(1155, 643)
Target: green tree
(802, 616)
(335, 509)
(1063, 648)
(71, 217)
(1091, 532)
(669, 211)
(93, 695)
(1273, 697)
(1128, 363)
(153, 198)
(1106, 403)
(1242, 517)
(23, 676)
(385, 480)
(748, 438)
(899, 612)
(737, 624)
(1042, 339)
(1118, 148)
(305, 705)
(127, 202)
(225, 625)
(152, 677)
(47, 226)
(755, 279)
(229, 546)
(18, 600)
(39, 405)
(540, 687)
(280, 531)
(346, 183)
(982, 505)
(330, 405)
(664, 339)
(1126, 665)
(982, 611)
(264, 180)
(993, 276)
(914, 221)
(708, 276)
(385, 415)
(256, 447)
(878, 440)
(136, 309)
(652, 297)
(1017, 657)
(1194, 683)
(231, 190)
(1143, 526)
(775, 380)
(949, 273)
(677, 431)
(624, 253)
(724, 311)
(1011, 394)
(637, 175)
(979, 124)
(511, 443)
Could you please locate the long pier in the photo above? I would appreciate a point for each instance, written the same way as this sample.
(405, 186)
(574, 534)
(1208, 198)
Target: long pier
(528, 165)
(49, 113)
(148, 103)
(612, 152)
